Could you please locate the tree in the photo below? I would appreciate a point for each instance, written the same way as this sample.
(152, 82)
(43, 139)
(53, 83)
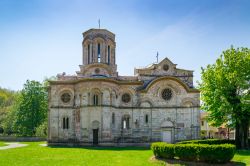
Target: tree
(225, 92)
(7, 102)
(32, 108)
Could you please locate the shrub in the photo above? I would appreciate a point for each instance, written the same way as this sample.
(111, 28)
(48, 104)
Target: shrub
(195, 151)
(42, 130)
(216, 153)
(208, 141)
(163, 150)
(187, 152)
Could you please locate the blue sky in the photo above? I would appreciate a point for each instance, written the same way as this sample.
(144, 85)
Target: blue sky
(41, 38)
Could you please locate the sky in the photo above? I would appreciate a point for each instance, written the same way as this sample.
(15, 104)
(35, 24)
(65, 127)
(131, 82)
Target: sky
(41, 38)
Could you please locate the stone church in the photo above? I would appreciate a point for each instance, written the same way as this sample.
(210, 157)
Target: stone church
(99, 106)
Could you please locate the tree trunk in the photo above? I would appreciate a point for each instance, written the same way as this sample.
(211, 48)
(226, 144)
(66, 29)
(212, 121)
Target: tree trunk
(246, 132)
(237, 135)
(241, 136)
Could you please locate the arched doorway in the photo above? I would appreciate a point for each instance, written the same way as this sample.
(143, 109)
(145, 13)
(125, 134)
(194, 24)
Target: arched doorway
(167, 131)
(95, 127)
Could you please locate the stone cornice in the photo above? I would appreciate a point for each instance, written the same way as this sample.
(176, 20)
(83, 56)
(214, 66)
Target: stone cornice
(79, 80)
(121, 107)
(189, 90)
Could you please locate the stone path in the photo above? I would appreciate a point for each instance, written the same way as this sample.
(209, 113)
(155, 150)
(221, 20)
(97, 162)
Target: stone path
(43, 145)
(12, 145)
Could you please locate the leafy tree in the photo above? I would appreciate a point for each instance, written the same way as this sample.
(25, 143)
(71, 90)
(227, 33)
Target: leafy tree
(7, 100)
(225, 92)
(32, 108)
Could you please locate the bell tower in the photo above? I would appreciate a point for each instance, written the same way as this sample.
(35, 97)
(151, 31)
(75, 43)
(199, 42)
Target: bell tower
(98, 49)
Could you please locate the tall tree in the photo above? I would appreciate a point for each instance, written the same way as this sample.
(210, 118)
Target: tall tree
(225, 92)
(7, 101)
(32, 108)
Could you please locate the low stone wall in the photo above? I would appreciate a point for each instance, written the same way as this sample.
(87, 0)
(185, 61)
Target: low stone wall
(22, 139)
(147, 144)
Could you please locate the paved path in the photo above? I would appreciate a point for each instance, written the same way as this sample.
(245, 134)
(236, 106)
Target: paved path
(12, 145)
(43, 145)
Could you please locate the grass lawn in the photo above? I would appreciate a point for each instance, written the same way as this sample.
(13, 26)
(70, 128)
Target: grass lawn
(34, 154)
(2, 143)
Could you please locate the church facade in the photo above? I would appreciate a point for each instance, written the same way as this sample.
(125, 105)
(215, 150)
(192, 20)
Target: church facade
(98, 106)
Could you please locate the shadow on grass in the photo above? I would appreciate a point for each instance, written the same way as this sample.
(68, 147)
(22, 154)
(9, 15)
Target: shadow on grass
(101, 148)
(243, 152)
(189, 163)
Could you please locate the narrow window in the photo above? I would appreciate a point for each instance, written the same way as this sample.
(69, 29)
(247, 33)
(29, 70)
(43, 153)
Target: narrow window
(99, 52)
(202, 123)
(108, 54)
(65, 123)
(95, 99)
(124, 124)
(113, 118)
(127, 122)
(88, 54)
(146, 119)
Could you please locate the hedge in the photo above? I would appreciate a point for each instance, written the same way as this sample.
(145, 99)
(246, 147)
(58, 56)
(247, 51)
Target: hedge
(187, 152)
(208, 141)
(211, 141)
(195, 152)
(216, 153)
(163, 150)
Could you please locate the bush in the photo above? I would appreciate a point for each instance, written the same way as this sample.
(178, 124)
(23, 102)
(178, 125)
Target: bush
(195, 152)
(163, 150)
(187, 152)
(216, 153)
(208, 141)
(42, 130)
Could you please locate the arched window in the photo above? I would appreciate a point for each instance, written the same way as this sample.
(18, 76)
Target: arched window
(125, 122)
(108, 54)
(88, 54)
(146, 119)
(113, 118)
(65, 123)
(95, 100)
(99, 52)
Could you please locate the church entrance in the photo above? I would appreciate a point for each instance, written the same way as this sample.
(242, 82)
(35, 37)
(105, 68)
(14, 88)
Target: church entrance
(95, 136)
(166, 131)
(167, 136)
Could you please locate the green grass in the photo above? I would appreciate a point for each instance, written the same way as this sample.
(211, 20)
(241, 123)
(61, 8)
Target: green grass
(2, 144)
(242, 156)
(34, 154)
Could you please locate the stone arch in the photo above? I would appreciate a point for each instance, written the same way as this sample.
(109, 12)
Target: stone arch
(130, 91)
(87, 41)
(177, 80)
(95, 124)
(146, 102)
(60, 92)
(95, 96)
(187, 102)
